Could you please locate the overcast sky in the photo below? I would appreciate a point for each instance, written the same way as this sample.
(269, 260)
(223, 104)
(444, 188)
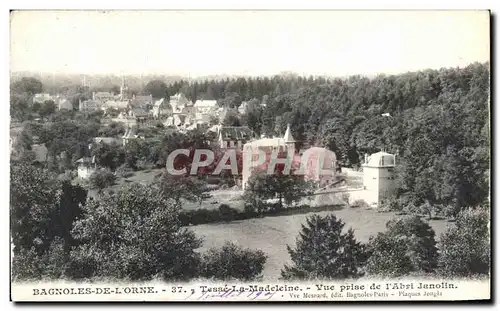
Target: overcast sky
(198, 43)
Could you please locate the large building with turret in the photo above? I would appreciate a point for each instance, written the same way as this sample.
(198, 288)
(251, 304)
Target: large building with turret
(317, 163)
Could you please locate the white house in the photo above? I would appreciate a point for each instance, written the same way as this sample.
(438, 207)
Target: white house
(161, 109)
(102, 96)
(205, 106)
(234, 136)
(116, 104)
(41, 152)
(178, 102)
(86, 167)
(64, 103)
(242, 109)
(41, 98)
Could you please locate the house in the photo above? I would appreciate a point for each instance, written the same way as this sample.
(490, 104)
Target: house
(141, 101)
(178, 102)
(90, 105)
(63, 103)
(102, 96)
(161, 109)
(189, 109)
(202, 118)
(86, 167)
(177, 120)
(41, 98)
(139, 114)
(116, 104)
(130, 133)
(316, 163)
(205, 106)
(108, 140)
(242, 109)
(234, 136)
(41, 152)
(125, 119)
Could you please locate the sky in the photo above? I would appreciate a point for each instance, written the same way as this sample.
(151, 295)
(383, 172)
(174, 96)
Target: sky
(201, 43)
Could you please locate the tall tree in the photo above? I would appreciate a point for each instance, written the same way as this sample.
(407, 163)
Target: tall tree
(324, 251)
(27, 85)
(134, 234)
(156, 88)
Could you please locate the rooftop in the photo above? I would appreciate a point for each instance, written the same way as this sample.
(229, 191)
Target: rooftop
(380, 159)
(236, 133)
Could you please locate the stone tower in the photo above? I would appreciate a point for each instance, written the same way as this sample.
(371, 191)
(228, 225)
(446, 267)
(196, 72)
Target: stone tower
(378, 177)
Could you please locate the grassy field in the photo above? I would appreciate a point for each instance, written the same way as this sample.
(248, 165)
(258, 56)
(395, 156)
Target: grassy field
(272, 234)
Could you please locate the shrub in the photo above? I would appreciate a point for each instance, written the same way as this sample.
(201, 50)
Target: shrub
(101, 179)
(360, 203)
(50, 264)
(199, 216)
(232, 262)
(227, 213)
(465, 248)
(124, 171)
(250, 210)
(324, 251)
(407, 246)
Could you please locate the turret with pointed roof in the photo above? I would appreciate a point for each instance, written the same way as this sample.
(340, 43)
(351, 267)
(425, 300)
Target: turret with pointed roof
(288, 135)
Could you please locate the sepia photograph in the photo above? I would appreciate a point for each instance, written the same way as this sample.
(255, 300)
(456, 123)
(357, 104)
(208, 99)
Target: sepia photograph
(250, 155)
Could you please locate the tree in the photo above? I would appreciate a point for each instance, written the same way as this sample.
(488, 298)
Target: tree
(101, 179)
(47, 108)
(113, 129)
(253, 115)
(180, 188)
(323, 251)
(70, 138)
(34, 197)
(231, 262)
(465, 248)
(287, 188)
(19, 107)
(43, 210)
(108, 155)
(134, 234)
(231, 100)
(156, 88)
(231, 119)
(408, 246)
(115, 89)
(27, 85)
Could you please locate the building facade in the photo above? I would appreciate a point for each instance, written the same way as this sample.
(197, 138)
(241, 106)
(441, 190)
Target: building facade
(234, 136)
(378, 177)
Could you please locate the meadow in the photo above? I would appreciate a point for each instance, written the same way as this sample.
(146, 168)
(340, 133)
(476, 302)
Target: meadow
(271, 234)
